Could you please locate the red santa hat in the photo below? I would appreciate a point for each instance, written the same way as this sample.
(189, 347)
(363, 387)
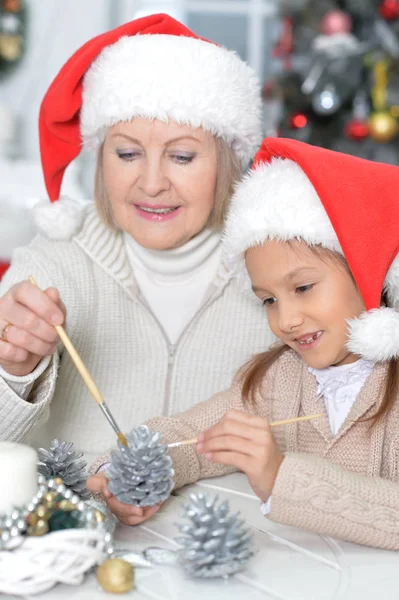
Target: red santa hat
(343, 203)
(152, 67)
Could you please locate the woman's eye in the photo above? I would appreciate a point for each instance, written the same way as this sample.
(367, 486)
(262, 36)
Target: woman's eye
(269, 301)
(301, 289)
(183, 159)
(127, 155)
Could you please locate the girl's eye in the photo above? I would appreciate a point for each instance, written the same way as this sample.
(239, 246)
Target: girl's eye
(127, 155)
(183, 159)
(269, 301)
(301, 289)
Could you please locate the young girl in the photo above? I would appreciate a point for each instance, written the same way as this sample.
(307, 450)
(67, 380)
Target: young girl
(318, 234)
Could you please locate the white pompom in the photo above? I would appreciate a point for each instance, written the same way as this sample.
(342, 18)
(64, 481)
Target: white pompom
(59, 220)
(375, 334)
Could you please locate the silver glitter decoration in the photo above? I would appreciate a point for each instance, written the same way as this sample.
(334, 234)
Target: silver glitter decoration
(90, 506)
(214, 542)
(137, 559)
(161, 556)
(13, 525)
(141, 473)
(61, 460)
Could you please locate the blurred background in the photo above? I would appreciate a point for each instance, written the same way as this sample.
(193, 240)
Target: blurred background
(329, 71)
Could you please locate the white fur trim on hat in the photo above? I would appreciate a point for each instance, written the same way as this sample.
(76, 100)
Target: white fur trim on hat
(190, 81)
(59, 220)
(275, 201)
(374, 335)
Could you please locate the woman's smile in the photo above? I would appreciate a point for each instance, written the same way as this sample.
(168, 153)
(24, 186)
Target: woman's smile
(157, 213)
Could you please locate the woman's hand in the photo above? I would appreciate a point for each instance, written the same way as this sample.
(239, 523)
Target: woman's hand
(247, 443)
(126, 513)
(27, 319)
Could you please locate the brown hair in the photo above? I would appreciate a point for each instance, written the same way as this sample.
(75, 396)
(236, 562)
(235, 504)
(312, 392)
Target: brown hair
(228, 174)
(254, 371)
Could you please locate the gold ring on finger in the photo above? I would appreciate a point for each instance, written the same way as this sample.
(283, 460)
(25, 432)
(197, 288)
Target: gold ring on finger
(4, 331)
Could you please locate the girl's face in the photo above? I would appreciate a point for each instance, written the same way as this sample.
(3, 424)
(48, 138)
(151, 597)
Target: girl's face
(307, 299)
(160, 179)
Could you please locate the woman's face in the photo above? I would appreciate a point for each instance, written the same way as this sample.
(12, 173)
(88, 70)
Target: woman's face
(160, 179)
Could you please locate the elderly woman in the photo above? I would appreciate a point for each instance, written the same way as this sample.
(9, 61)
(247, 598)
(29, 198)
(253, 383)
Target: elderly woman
(137, 276)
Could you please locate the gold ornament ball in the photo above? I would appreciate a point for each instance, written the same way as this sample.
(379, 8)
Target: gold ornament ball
(43, 512)
(116, 576)
(41, 528)
(49, 499)
(383, 127)
(99, 516)
(10, 47)
(66, 505)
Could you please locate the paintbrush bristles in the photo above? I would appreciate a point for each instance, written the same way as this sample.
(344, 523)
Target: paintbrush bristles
(122, 439)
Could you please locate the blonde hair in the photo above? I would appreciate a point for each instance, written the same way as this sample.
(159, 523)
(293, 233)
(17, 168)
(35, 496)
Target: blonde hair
(228, 174)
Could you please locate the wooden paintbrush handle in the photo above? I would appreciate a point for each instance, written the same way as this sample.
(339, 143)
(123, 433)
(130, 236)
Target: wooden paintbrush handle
(78, 362)
(272, 424)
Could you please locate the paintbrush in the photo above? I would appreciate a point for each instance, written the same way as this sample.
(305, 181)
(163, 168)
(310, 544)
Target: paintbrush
(87, 378)
(272, 424)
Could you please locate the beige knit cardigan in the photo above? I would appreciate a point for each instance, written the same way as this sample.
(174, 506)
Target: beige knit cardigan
(343, 485)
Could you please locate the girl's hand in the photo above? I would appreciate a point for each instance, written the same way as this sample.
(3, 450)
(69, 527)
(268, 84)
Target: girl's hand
(28, 316)
(126, 513)
(247, 443)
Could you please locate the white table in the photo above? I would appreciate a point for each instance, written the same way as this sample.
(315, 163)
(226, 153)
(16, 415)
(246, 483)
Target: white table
(290, 564)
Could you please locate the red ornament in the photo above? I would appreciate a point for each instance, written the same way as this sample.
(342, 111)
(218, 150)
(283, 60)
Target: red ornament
(285, 44)
(12, 6)
(357, 130)
(335, 21)
(389, 9)
(268, 90)
(297, 121)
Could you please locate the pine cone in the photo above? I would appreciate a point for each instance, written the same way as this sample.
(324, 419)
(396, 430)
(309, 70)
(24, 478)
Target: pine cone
(62, 461)
(215, 544)
(141, 473)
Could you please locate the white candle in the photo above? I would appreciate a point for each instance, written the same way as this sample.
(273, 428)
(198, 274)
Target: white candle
(18, 475)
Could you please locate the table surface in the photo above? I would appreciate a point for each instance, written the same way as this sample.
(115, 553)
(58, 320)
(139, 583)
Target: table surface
(290, 564)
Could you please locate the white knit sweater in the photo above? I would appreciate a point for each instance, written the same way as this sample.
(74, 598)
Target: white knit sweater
(126, 350)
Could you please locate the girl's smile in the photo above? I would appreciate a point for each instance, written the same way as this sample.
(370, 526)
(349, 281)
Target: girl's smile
(308, 341)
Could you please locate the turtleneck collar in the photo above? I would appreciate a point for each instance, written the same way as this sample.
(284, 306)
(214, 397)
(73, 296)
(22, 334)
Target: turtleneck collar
(182, 261)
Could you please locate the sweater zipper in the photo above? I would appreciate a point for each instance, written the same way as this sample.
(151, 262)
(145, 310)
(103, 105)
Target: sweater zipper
(173, 347)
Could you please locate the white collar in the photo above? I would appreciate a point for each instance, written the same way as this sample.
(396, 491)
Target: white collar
(351, 374)
(176, 262)
(339, 387)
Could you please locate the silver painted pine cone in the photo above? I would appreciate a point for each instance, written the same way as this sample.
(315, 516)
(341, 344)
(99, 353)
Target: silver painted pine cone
(214, 542)
(141, 473)
(61, 460)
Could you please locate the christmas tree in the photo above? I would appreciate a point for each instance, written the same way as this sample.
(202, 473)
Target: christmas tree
(335, 77)
(12, 34)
